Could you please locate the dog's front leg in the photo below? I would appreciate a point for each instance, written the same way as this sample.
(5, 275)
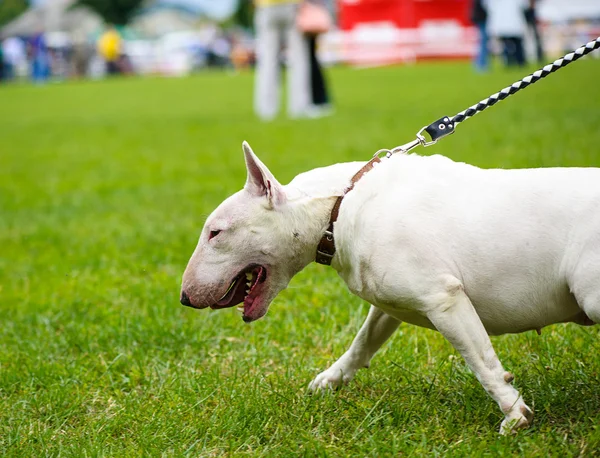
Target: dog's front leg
(454, 316)
(377, 328)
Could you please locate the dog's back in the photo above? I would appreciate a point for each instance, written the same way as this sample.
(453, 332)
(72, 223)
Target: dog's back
(515, 238)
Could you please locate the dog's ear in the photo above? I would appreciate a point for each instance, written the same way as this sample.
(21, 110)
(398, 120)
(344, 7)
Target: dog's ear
(260, 181)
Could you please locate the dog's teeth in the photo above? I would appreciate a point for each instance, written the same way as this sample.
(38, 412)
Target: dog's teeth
(240, 308)
(248, 276)
(248, 285)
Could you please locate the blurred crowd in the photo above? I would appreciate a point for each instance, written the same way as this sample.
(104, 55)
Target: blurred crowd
(508, 21)
(58, 56)
(510, 29)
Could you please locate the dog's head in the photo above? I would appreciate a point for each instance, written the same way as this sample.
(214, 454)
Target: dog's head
(248, 250)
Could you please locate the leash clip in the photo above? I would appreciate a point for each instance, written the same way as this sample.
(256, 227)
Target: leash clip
(436, 130)
(420, 140)
(423, 140)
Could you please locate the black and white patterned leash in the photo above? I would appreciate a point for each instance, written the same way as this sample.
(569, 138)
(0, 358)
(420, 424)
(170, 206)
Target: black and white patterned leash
(446, 125)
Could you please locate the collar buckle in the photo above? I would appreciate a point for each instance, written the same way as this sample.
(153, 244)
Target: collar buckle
(326, 248)
(323, 258)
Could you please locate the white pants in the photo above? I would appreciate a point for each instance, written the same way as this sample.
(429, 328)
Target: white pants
(273, 23)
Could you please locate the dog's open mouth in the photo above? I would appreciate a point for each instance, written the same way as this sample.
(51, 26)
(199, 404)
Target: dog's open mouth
(245, 287)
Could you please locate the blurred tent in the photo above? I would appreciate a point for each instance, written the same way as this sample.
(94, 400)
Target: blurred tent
(218, 10)
(562, 10)
(159, 21)
(162, 17)
(568, 24)
(53, 16)
(378, 32)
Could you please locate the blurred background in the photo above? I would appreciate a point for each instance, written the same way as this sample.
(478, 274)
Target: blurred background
(179, 37)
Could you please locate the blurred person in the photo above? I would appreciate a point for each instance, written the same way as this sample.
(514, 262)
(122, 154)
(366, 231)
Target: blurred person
(506, 21)
(531, 19)
(109, 47)
(240, 57)
(274, 21)
(321, 104)
(219, 52)
(479, 18)
(125, 65)
(2, 66)
(15, 56)
(82, 55)
(40, 58)
(60, 58)
(97, 66)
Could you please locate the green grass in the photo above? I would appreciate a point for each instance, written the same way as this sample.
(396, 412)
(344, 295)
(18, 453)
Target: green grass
(104, 187)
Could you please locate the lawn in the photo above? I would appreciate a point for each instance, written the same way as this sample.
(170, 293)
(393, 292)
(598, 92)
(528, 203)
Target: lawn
(104, 187)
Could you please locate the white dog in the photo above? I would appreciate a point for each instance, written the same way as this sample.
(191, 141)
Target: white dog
(439, 244)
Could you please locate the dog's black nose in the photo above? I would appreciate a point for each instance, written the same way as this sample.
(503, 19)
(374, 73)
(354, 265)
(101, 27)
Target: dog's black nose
(184, 299)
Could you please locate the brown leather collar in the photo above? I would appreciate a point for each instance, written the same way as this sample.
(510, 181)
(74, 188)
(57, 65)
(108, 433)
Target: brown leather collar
(326, 247)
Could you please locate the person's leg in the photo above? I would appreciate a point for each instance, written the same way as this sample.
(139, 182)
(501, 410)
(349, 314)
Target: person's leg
(266, 83)
(319, 88)
(481, 59)
(36, 68)
(46, 66)
(505, 50)
(298, 66)
(519, 54)
(9, 71)
(484, 46)
(531, 19)
(510, 51)
(312, 60)
(539, 45)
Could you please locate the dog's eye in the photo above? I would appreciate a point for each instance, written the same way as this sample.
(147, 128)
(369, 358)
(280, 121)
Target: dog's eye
(213, 234)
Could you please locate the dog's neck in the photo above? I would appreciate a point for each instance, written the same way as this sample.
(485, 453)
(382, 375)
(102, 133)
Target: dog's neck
(326, 181)
(311, 196)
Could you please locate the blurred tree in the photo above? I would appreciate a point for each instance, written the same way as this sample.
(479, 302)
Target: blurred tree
(244, 14)
(117, 12)
(10, 9)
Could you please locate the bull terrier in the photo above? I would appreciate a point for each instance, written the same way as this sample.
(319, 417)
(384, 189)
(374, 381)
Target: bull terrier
(465, 251)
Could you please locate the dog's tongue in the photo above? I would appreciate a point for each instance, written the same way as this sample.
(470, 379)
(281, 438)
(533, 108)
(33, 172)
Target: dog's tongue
(234, 296)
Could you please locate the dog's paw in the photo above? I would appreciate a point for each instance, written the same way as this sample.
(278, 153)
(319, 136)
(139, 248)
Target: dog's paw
(332, 378)
(327, 381)
(520, 417)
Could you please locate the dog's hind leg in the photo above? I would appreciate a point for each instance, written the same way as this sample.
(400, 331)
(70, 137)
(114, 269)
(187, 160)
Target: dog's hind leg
(452, 313)
(585, 286)
(377, 328)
